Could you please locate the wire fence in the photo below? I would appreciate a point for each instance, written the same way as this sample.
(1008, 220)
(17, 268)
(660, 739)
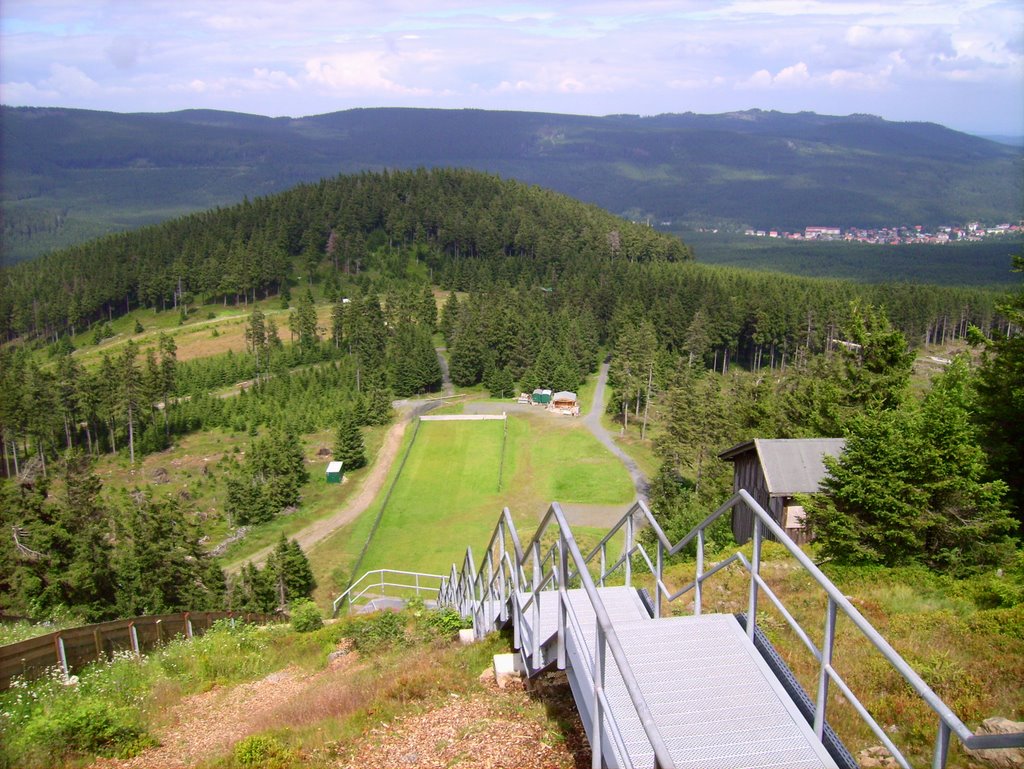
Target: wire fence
(73, 648)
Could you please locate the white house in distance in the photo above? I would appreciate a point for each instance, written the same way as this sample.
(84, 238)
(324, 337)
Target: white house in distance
(773, 471)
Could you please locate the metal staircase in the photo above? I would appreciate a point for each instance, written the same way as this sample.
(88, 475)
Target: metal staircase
(703, 690)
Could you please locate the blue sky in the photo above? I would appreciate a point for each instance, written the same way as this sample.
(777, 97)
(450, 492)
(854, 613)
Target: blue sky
(959, 63)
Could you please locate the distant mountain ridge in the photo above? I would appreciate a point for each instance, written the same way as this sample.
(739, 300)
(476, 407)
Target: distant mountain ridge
(72, 174)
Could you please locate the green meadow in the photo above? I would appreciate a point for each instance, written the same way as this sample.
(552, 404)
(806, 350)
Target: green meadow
(447, 494)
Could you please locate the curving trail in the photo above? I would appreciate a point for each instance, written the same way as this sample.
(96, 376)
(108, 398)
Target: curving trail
(372, 484)
(593, 422)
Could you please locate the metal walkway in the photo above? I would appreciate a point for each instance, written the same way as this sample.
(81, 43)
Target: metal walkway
(723, 706)
(694, 690)
(704, 690)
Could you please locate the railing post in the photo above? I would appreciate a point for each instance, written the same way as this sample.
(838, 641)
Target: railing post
(941, 746)
(563, 571)
(535, 630)
(700, 574)
(659, 567)
(628, 550)
(597, 727)
(755, 569)
(502, 588)
(826, 660)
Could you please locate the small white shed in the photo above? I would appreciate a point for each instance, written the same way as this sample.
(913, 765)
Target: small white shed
(334, 472)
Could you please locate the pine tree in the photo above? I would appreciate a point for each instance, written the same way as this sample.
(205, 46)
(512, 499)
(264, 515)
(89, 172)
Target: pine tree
(290, 572)
(911, 486)
(348, 444)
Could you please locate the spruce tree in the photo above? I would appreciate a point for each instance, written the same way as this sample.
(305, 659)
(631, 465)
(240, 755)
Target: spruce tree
(348, 444)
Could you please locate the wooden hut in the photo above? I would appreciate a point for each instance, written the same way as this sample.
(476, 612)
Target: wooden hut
(773, 471)
(565, 402)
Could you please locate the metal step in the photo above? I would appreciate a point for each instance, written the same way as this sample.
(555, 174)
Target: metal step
(713, 697)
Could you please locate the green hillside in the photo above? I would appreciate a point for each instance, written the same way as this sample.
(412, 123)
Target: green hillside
(74, 174)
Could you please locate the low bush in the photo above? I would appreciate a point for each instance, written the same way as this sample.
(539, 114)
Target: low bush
(261, 751)
(377, 631)
(306, 616)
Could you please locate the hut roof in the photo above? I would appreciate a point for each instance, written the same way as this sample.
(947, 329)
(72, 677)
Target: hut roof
(564, 395)
(792, 465)
(334, 467)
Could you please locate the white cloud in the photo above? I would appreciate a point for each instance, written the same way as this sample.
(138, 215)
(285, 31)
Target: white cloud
(69, 80)
(575, 56)
(357, 73)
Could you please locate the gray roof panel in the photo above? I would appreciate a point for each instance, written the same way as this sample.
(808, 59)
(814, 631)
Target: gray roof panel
(796, 465)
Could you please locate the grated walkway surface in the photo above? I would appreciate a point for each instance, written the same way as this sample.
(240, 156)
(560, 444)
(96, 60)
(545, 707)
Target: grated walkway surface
(714, 699)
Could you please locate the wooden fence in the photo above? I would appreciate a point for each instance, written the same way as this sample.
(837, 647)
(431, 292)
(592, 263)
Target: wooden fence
(73, 648)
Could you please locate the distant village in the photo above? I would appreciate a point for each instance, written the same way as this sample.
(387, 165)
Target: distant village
(972, 231)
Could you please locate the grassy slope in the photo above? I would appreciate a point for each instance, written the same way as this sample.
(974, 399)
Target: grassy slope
(447, 497)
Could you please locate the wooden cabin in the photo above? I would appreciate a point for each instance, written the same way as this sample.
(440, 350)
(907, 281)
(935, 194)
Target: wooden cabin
(565, 402)
(773, 471)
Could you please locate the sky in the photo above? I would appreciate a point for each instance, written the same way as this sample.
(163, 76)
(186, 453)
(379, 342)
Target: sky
(959, 63)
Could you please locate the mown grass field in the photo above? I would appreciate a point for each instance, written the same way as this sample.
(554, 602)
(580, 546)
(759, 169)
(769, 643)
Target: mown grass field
(447, 497)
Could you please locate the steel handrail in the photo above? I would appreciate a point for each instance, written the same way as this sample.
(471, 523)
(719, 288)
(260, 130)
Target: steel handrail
(511, 576)
(950, 723)
(381, 583)
(605, 627)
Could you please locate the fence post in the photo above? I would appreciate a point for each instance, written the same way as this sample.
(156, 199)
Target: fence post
(659, 568)
(159, 632)
(941, 746)
(134, 639)
(99, 645)
(188, 626)
(61, 656)
(563, 587)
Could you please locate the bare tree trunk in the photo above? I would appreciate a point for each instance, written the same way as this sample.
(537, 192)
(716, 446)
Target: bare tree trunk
(131, 433)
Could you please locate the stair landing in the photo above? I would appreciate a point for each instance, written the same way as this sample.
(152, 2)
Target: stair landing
(713, 697)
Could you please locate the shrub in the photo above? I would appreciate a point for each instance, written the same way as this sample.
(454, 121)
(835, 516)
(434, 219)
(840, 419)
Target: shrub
(378, 631)
(86, 726)
(261, 750)
(446, 622)
(306, 616)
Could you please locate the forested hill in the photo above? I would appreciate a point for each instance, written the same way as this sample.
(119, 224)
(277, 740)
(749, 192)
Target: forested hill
(73, 174)
(378, 225)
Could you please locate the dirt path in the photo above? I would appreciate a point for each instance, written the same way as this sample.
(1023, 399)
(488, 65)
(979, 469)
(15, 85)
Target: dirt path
(205, 725)
(372, 484)
(593, 422)
(447, 387)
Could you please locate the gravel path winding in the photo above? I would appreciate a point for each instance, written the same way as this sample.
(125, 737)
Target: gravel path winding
(593, 422)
